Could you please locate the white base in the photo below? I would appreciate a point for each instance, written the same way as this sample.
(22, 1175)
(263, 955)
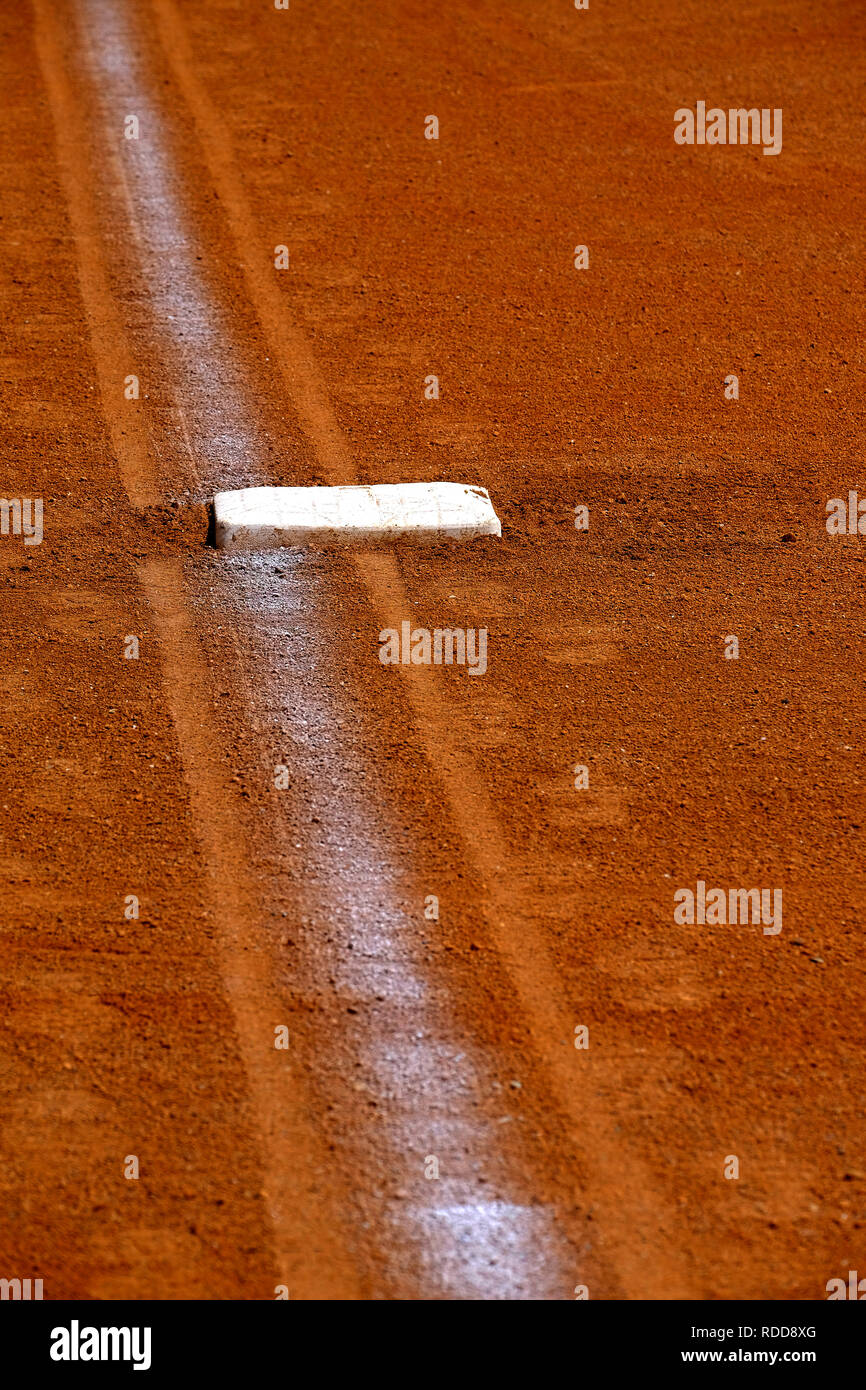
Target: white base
(262, 518)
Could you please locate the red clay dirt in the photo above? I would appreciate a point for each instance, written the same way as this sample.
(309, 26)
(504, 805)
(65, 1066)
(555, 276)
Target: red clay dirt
(282, 805)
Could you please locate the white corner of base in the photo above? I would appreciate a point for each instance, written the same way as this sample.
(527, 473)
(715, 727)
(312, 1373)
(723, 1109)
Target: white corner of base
(264, 518)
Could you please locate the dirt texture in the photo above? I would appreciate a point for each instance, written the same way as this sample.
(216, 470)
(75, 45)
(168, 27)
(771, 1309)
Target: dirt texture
(307, 941)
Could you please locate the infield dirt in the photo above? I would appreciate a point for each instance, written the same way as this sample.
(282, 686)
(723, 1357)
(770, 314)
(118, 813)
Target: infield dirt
(301, 900)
